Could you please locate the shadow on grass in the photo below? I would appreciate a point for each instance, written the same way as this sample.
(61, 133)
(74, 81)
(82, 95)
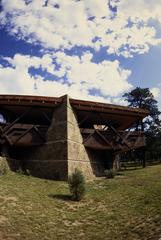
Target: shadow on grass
(63, 197)
(119, 173)
(131, 169)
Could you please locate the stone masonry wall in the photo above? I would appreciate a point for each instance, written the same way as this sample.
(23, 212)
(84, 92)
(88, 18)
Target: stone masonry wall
(88, 161)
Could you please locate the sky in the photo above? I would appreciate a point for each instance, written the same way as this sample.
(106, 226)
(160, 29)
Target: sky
(90, 49)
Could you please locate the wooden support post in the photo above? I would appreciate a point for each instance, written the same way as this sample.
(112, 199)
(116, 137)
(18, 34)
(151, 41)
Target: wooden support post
(116, 162)
(144, 158)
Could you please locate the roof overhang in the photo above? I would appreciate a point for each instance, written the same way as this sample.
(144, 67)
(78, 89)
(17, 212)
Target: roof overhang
(95, 112)
(121, 117)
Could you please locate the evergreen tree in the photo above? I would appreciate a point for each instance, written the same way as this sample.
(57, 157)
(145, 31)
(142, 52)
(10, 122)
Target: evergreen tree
(143, 98)
(77, 185)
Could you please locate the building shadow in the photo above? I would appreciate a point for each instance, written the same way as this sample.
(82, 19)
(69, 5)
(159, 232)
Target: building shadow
(62, 197)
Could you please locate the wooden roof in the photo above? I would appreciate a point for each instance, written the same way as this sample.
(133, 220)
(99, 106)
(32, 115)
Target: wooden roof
(95, 112)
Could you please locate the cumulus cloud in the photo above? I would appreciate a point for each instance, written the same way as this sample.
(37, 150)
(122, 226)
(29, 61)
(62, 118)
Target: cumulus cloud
(122, 27)
(141, 10)
(84, 78)
(107, 77)
(89, 23)
(156, 92)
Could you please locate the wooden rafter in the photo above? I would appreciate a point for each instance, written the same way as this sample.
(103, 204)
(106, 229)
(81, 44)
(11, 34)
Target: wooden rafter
(85, 118)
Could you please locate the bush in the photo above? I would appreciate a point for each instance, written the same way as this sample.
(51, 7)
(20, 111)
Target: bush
(3, 166)
(110, 173)
(77, 185)
(23, 172)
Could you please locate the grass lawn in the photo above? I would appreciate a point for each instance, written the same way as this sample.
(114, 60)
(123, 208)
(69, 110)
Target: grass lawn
(127, 207)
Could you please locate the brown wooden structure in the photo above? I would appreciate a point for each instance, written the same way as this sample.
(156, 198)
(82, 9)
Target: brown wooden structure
(83, 132)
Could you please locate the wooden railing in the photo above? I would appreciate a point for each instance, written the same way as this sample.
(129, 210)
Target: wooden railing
(22, 134)
(120, 141)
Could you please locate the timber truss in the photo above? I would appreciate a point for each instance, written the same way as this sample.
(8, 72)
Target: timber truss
(17, 133)
(118, 141)
(110, 138)
(28, 119)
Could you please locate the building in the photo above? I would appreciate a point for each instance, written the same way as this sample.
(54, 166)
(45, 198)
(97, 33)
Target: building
(52, 136)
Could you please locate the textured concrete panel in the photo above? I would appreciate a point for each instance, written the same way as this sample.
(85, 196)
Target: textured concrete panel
(91, 162)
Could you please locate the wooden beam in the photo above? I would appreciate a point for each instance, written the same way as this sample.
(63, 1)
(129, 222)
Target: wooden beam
(116, 132)
(89, 136)
(7, 128)
(42, 137)
(84, 119)
(23, 134)
(103, 138)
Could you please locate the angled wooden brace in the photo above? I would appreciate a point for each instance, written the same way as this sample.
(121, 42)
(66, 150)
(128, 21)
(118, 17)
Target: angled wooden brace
(41, 136)
(90, 135)
(7, 128)
(116, 132)
(22, 135)
(104, 139)
(84, 119)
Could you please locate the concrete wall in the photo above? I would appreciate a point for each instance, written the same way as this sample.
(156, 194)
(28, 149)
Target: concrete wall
(78, 157)
(90, 162)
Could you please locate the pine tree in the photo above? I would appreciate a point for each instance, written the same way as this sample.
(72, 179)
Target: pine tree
(143, 98)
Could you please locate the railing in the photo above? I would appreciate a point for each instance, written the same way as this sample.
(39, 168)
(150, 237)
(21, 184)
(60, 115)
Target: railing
(120, 141)
(22, 134)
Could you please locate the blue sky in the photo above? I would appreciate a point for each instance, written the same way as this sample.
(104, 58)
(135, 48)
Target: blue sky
(89, 49)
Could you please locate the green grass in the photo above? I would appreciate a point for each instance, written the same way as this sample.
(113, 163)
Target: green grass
(127, 207)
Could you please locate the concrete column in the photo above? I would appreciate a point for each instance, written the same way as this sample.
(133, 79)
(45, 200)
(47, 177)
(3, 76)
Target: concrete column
(78, 156)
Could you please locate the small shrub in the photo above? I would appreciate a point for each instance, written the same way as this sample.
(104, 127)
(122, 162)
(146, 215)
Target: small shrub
(77, 185)
(23, 172)
(3, 166)
(109, 173)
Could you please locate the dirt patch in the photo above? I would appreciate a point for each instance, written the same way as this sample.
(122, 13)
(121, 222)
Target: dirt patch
(3, 220)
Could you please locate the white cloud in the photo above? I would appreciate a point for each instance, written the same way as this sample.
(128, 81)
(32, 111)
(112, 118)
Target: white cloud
(156, 92)
(85, 79)
(65, 24)
(141, 9)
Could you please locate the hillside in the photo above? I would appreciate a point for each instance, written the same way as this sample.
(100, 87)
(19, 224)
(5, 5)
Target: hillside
(127, 207)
